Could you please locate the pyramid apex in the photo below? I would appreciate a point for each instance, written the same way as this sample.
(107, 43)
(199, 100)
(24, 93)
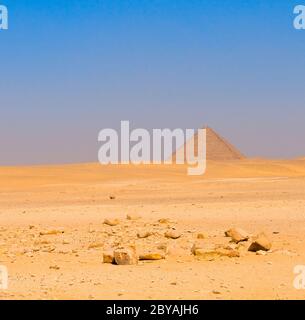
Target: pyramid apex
(217, 147)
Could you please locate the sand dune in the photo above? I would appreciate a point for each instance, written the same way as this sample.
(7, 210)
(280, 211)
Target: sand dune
(256, 195)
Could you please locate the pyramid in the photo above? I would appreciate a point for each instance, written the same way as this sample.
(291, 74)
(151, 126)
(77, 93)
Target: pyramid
(217, 148)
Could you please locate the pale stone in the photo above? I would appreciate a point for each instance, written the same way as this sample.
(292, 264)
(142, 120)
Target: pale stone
(133, 217)
(172, 234)
(260, 242)
(216, 253)
(208, 251)
(151, 256)
(51, 232)
(143, 234)
(237, 235)
(112, 222)
(125, 256)
(176, 251)
(164, 221)
(198, 245)
(95, 245)
(108, 257)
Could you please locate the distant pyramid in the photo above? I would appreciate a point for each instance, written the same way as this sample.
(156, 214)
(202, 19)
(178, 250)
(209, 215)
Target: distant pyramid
(217, 148)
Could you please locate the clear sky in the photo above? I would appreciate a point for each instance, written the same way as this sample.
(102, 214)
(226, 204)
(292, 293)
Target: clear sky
(71, 68)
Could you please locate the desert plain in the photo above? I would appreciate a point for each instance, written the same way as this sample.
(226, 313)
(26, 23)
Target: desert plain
(52, 231)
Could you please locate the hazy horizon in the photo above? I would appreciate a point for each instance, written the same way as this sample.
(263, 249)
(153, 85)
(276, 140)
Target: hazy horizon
(70, 69)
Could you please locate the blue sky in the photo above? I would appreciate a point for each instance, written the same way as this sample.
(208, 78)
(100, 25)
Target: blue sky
(71, 68)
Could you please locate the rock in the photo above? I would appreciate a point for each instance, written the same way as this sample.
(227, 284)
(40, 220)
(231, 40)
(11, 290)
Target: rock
(54, 267)
(206, 255)
(172, 234)
(237, 235)
(216, 253)
(95, 245)
(51, 232)
(112, 197)
(261, 242)
(126, 256)
(151, 256)
(164, 221)
(198, 245)
(176, 251)
(201, 236)
(162, 246)
(216, 292)
(143, 234)
(133, 217)
(108, 257)
(230, 253)
(112, 222)
(207, 251)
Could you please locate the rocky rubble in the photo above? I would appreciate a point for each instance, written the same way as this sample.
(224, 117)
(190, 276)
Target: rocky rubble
(140, 240)
(135, 240)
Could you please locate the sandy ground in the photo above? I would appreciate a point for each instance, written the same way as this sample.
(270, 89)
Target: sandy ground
(255, 195)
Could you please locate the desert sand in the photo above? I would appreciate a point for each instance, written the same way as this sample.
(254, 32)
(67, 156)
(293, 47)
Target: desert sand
(255, 195)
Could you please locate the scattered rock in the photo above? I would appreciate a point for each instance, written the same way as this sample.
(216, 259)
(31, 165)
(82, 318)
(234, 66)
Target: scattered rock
(216, 253)
(151, 256)
(206, 255)
(54, 267)
(198, 245)
(51, 232)
(112, 222)
(209, 252)
(126, 256)
(230, 253)
(95, 245)
(261, 242)
(133, 217)
(164, 221)
(237, 235)
(173, 234)
(216, 292)
(144, 234)
(175, 250)
(108, 257)
(162, 246)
